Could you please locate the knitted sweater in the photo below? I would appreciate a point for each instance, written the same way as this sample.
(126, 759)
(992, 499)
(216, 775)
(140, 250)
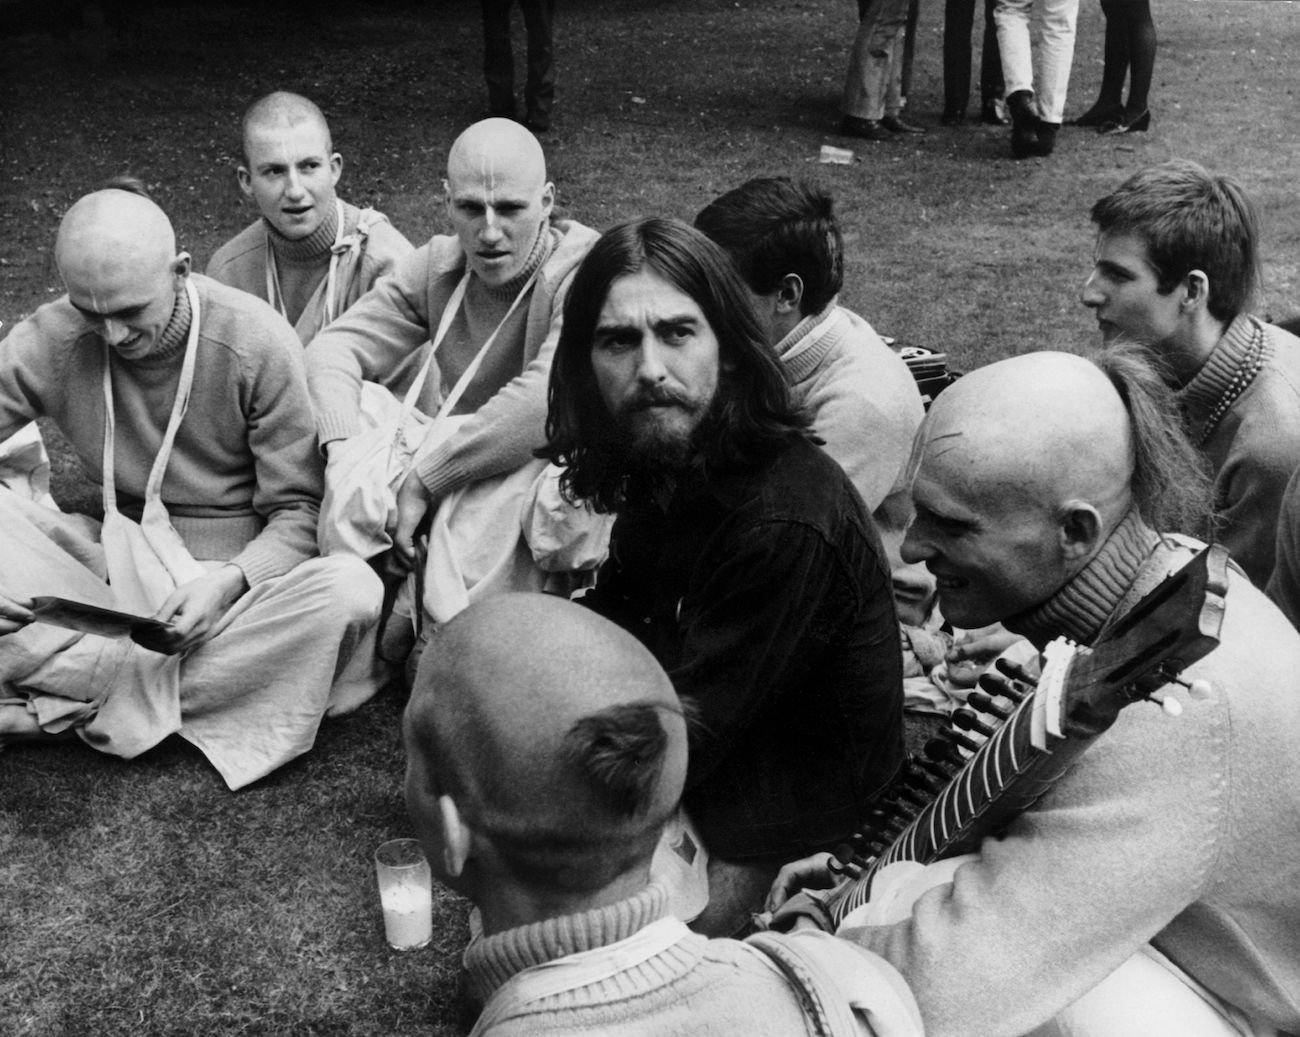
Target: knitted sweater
(1178, 832)
(243, 482)
(303, 265)
(698, 986)
(1256, 446)
(864, 403)
(508, 395)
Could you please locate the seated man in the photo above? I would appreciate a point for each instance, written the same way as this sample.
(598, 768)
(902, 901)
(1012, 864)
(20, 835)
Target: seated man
(545, 752)
(311, 255)
(187, 400)
(1041, 482)
(1176, 264)
(510, 265)
(740, 554)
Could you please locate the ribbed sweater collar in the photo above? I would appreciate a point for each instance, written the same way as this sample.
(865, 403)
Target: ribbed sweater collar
(1081, 608)
(541, 252)
(1199, 396)
(801, 366)
(171, 343)
(493, 959)
(314, 247)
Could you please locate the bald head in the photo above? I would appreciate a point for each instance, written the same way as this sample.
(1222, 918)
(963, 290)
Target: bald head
(498, 197)
(116, 252)
(557, 734)
(279, 111)
(1036, 430)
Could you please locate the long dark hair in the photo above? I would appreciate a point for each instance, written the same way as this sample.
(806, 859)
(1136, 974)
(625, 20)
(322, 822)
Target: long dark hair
(753, 413)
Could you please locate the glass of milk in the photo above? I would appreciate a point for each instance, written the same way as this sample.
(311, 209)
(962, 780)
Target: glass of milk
(406, 893)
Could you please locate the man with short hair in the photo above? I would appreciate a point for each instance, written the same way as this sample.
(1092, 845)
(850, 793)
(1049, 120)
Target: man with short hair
(545, 752)
(740, 554)
(1175, 268)
(864, 404)
(515, 264)
(311, 255)
(187, 400)
(1041, 482)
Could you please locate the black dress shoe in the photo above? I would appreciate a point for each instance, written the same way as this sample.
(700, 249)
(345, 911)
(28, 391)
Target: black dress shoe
(1099, 114)
(993, 112)
(538, 122)
(1139, 123)
(864, 129)
(1024, 124)
(897, 124)
(1046, 134)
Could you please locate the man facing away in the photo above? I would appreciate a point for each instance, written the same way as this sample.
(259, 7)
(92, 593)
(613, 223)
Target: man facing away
(740, 555)
(546, 750)
(311, 255)
(1175, 268)
(510, 265)
(1041, 483)
(187, 401)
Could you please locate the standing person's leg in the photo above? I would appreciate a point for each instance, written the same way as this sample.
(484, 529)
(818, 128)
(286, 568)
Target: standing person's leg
(992, 87)
(1012, 19)
(1140, 34)
(896, 90)
(539, 91)
(498, 58)
(868, 75)
(958, 18)
(1114, 69)
(1056, 55)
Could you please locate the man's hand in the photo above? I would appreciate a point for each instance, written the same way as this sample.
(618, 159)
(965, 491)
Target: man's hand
(14, 614)
(810, 873)
(194, 609)
(413, 503)
(974, 650)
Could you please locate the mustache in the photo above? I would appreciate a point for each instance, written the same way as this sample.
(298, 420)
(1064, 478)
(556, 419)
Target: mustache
(656, 396)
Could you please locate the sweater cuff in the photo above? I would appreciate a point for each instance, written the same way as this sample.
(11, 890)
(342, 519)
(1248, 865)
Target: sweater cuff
(332, 425)
(261, 562)
(440, 472)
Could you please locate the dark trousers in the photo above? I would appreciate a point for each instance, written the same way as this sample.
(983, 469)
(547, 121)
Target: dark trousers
(958, 20)
(498, 57)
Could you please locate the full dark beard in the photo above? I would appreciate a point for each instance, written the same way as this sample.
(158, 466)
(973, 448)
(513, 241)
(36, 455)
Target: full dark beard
(648, 446)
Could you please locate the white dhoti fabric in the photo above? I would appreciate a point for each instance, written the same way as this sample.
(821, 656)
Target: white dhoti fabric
(250, 698)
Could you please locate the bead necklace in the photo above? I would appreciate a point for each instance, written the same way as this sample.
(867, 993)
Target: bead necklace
(1250, 365)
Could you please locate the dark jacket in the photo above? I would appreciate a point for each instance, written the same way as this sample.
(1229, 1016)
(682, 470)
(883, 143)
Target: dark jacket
(766, 596)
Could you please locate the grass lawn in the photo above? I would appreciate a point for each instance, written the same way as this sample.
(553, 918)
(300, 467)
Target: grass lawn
(145, 898)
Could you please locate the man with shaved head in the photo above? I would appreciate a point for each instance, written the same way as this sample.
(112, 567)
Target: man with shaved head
(546, 750)
(311, 255)
(499, 284)
(1175, 269)
(1152, 890)
(187, 400)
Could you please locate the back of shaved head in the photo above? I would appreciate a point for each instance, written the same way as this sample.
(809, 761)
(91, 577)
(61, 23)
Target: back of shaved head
(280, 109)
(557, 734)
(111, 234)
(497, 144)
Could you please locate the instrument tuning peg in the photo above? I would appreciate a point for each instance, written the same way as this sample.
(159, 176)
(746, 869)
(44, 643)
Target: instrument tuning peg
(985, 704)
(1168, 703)
(968, 721)
(1199, 689)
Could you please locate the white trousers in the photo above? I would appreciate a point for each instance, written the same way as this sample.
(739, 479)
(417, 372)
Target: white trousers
(252, 696)
(1036, 40)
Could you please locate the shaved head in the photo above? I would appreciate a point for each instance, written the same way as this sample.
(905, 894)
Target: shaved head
(1035, 431)
(116, 252)
(278, 111)
(498, 197)
(556, 733)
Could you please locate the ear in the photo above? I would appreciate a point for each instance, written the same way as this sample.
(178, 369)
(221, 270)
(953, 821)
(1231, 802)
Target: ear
(180, 269)
(245, 179)
(336, 168)
(1079, 532)
(790, 294)
(456, 837)
(548, 199)
(446, 199)
(1196, 290)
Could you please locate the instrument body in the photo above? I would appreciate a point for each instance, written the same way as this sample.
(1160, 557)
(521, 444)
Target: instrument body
(1077, 698)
